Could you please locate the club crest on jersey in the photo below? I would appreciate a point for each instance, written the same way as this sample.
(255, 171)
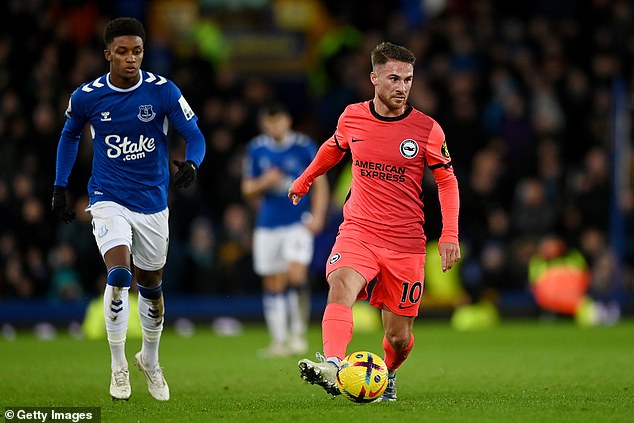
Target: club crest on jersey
(444, 150)
(334, 258)
(409, 148)
(146, 113)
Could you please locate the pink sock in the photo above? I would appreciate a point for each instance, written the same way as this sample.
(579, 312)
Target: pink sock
(393, 358)
(336, 330)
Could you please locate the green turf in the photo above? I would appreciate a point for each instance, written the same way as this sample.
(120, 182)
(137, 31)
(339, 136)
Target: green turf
(518, 372)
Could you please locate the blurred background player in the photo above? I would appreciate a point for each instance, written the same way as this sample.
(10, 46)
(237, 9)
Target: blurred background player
(283, 235)
(128, 112)
(382, 237)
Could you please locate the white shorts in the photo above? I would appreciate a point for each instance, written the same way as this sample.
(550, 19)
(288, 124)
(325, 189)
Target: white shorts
(274, 248)
(145, 235)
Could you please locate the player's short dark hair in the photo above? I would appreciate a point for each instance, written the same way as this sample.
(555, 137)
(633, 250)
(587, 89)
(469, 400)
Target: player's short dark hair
(387, 51)
(123, 26)
(273, 108)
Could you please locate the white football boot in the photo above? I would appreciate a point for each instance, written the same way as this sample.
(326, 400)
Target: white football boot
(322, 373)
(120, 385)
(156, 384)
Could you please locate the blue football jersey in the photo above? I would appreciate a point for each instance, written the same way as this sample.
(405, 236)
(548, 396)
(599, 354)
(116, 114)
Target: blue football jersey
(129, 130)
(291, 157)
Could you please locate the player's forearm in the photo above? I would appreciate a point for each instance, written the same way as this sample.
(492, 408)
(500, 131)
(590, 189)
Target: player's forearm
(272, 179)
(196, 146)
(254, 188)
(449, 197)
(328, 155)
(66, 156)
(319, 201)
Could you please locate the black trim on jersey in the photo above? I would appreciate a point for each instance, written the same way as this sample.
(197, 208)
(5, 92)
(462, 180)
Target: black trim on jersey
(338, 146)
(408, 110)
(445, 165)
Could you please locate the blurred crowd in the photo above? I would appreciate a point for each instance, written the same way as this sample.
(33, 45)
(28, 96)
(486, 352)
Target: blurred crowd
(525, 91)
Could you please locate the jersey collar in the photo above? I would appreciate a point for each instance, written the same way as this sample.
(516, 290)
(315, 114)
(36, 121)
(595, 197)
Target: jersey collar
(408, 110)
(123, 90)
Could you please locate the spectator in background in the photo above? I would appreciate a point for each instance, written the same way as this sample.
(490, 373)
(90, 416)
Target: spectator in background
(200, 257)
(221, 180)
(532, 216)
(559, 276)
(65, 281)
(17, 283)
(235, 259)
(590, 193)
(486, 228)
(283, 238)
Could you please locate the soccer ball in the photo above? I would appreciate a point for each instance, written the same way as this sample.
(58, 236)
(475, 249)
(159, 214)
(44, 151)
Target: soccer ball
(362, 377)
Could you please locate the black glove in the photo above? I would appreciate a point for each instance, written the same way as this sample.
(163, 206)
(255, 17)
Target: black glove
(60, 209)
(186, 175)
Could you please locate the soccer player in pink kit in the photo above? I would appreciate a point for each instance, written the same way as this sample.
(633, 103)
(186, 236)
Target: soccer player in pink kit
(382, 237)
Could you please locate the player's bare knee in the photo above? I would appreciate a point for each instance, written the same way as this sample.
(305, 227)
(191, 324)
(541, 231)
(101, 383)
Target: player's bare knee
(345, 284)
(336, 287)
(340, 293)
(149, 278)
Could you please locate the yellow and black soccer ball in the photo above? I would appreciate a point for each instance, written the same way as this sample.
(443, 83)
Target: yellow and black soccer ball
(362, 377)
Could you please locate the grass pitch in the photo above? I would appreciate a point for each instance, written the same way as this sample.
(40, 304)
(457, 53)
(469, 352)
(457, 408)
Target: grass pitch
(517, 372)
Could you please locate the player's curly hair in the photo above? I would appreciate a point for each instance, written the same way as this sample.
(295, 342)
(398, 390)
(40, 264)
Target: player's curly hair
(387, 51)
(123, 26)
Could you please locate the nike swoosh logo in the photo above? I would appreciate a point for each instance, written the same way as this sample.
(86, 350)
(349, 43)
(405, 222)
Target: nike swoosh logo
(401, 306)
(356, 140)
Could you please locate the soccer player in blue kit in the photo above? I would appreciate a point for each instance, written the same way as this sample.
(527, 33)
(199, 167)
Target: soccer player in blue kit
(128, 111)
(283, 236)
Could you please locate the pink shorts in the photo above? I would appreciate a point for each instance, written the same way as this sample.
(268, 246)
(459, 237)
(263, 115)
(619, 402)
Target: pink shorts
(399, 276)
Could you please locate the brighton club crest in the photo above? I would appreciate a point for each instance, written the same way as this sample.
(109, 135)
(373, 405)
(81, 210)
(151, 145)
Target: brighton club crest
(146, 113)
(409, 148)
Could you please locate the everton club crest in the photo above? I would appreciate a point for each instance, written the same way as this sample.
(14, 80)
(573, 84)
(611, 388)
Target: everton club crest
(146, 113)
